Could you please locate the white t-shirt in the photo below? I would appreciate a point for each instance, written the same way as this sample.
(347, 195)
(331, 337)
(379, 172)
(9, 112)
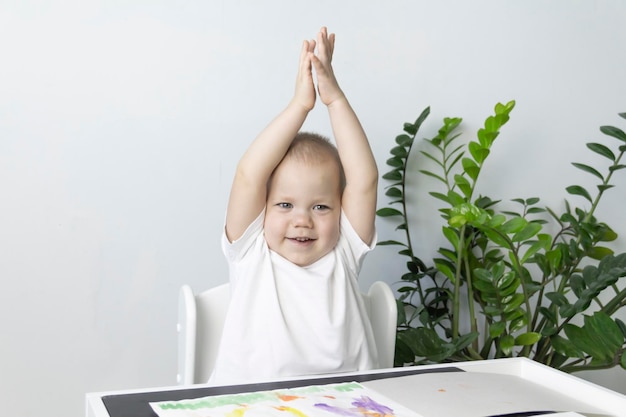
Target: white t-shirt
(287, 320)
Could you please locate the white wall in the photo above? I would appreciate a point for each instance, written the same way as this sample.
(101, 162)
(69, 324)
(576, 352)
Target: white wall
(121, 123)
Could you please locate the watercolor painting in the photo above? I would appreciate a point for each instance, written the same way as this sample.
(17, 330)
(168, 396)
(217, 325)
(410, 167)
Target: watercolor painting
(349, 399)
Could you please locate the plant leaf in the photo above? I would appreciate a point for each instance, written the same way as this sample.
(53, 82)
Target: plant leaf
(507, 342)
(600, 336)
(395, 162)
(388, 212)
(496, 238)
(424, 342)
(440, 196)
(530, 230)
(613, 131)
(389, 243)
(445, 269)
(565, 347)
(578, 190)
(602, 150)
(496, 329)
(513, 302)
(513, 225)
(548, 314)
(420, 119)
(478, 152)
(528, 338)
(544, 242)
(557, 298)
(604, 187)
(463, 185)
(588, 169)
(471, 168)
(622, 326)
(404, 140)
(517, 324)
(431, 174)
(599, 252)
(451, 235)
(395, 175)
(535, 210)
(465, 340)
(399, 151)
(455, 198)
(567, 310)
(409, 128)
(393, 192)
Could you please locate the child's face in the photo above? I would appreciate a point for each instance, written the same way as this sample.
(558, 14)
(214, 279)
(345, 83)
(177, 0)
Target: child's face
(303, 210)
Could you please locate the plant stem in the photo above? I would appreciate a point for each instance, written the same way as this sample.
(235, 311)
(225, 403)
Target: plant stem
(470, 300)
(601, 190)
(418, 283)
(456, 310)
(616, 303)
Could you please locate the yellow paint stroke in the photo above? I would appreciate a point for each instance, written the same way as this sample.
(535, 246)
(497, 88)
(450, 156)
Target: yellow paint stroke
(237, 412)
(291, 410)
(369, 413)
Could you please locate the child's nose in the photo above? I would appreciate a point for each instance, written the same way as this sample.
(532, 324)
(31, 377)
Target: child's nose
(302, 218)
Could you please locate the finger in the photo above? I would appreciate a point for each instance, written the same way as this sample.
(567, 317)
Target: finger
(321, 69)
(331, 44)
(304, 50)
(304, 68)
(323, 45)
(317, 64)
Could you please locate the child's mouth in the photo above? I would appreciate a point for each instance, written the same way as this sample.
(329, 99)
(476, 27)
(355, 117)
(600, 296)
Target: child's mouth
(302, 239)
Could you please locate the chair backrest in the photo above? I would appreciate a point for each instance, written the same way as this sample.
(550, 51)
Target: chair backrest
(201, 320)
(382, 310)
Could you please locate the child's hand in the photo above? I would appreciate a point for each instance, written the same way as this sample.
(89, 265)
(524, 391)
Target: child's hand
(327, 85)
(305, 89)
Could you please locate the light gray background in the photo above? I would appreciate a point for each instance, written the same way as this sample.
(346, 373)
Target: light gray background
(121, 123)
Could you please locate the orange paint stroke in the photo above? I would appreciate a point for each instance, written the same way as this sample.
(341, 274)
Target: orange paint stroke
(285, 397)
(291, 410)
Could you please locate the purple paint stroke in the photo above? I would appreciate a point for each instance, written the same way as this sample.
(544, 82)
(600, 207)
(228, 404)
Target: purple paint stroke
(336, 410)
(371, 405)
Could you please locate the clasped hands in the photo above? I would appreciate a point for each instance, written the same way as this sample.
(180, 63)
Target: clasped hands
(327, 85)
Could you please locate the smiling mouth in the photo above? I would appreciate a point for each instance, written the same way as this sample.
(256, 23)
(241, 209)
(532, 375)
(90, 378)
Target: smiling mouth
(302, 239)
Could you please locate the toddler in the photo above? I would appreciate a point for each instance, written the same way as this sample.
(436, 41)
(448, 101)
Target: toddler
(300, 220)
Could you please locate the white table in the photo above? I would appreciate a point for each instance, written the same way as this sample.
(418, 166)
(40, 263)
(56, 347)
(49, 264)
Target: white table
(476, 388)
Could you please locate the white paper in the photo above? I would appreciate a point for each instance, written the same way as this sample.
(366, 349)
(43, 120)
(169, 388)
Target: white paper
(349, 399)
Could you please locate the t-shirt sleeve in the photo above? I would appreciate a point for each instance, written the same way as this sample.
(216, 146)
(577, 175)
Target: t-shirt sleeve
(350, 243)
(237, 249)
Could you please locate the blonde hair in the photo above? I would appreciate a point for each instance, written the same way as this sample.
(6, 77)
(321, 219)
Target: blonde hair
(313, 148)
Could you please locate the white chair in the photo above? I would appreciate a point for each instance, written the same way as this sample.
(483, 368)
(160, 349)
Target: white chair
(205, 312)
(201, 319)
(382, 310)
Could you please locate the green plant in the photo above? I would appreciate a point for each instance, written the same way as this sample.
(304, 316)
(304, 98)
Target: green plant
(528, 292)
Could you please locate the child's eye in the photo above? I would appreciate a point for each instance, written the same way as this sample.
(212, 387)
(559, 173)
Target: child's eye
(320, 207)
(285, 205)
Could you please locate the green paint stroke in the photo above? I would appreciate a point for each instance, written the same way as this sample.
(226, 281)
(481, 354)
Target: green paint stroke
(255, 397)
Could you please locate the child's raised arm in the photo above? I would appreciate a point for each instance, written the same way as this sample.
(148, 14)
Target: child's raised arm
(249, 189)
(359, 197)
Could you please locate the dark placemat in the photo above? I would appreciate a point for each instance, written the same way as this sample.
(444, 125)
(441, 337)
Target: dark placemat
(137, 405)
